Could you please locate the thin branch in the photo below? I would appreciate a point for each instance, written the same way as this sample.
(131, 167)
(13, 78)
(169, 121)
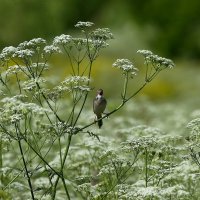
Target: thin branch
(62, 167)
(45, 98)
(122, 175)
(24, 162)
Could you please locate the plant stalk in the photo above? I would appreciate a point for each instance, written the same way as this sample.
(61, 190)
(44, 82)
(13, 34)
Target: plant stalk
(26, 169)
(61, 170)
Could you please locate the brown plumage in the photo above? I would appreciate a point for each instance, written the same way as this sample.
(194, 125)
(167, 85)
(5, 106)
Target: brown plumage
(99, 105)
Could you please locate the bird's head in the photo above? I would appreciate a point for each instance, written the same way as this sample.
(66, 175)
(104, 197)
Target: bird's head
(100, 92)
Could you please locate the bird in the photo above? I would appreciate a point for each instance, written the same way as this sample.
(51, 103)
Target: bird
(99, 105)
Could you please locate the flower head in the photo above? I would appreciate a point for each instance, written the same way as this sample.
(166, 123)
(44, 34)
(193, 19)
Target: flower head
(80, 43)
(7, 53)
(32, 44)
(83, 25)
(27, 53)
(15, 109)
(77, 83)
(14, 69)
(102, 34)
(31, 84)
(75, 80)
(62, 39)
(156, 60)
(145, 53)
(125, 65)
(51, 49)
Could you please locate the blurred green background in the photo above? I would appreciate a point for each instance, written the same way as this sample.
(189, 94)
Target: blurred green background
(168, 28)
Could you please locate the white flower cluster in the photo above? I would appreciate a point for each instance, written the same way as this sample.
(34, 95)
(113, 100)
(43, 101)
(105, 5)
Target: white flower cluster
(40, 65)
(75, 80)
(51, 49)
(77, 83)
(99, 44)
(83, 25)
(84, 187)
(139, 143)
(94, 41)
(72, 83)
(145, 53)
(125, 65)
(31, 84)
(142, 192)
(97, 38)
(102, 34)
(7, 52)
(14, 109)
(24, 50)
(80, 43)
(42, 182)
(27, 53)
(32, 44)
(62, 39)
(194, 126)
(156, 60)
(61, 88)
(14, 69)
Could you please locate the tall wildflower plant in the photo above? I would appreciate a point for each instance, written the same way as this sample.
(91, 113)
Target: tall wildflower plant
(31, 119)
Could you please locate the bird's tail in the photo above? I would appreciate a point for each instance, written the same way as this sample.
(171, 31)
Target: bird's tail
(100, 121)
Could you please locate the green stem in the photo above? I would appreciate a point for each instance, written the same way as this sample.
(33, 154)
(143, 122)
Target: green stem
(125, 86)
(45, 98)
(41, 71)
(18, 82)
(70, 60)
(61, 170)
(40, 156)
(60, 150)
(4, 83)
(60, 175)
(71, 115)
(146, 167)
(66, 150)
(55, 187)
(122, 175)
(147, 70)
(25, 166)
(86, 95)
(65, 186)
(21, 68)
(26, 170)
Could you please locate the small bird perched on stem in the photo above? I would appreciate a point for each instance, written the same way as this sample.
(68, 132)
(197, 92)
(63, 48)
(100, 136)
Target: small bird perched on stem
(99, 105)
